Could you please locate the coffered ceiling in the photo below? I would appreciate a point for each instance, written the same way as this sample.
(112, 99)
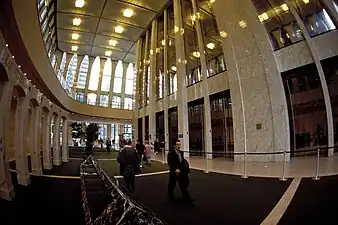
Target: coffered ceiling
(95, 34)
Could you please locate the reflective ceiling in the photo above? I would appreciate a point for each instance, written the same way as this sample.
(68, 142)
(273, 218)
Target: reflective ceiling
(93, 25)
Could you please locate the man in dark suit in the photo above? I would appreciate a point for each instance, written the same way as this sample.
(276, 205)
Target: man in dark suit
(178, 171)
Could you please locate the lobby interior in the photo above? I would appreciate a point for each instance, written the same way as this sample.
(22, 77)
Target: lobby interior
(249, 87)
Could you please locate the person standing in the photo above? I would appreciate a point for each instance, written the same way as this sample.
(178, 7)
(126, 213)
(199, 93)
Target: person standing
(129, 165)
(148, 152)
(178, 172)
(108, 145)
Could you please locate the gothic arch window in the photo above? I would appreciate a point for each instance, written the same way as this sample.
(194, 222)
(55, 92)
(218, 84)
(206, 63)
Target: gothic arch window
(118, 77)
(130, 79)
(91, 99)
(71, 72)
(62, 66)
(94, 75)
(82, 78)
(107, 70)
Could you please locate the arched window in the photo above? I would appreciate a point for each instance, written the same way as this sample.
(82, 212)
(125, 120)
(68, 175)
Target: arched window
(62, 66)
(82, 78)
(128, 103)
(118, 77)
(53, 61)
(105, 86)
(71, 73)
(91, 99)
(130, 79)
(94, 75)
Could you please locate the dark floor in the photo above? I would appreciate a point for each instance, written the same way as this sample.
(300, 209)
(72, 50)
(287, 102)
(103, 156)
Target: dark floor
(315, 202)
(46, 201)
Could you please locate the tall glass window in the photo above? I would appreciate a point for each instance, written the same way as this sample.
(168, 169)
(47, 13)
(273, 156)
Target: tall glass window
(172, 69)
(53, 62)
(147, 77)
(279, 22)
(116, 102)
(107, 70)
(160, 58)
(104, 99)
(212, 39)
(94, 75)
(82, 78)
(71, 73)
(91, 99)
(118, 77)
(191, 44)
(130, 79)
(140, 74)
(128, 103)
(314, 16)
(62, 66)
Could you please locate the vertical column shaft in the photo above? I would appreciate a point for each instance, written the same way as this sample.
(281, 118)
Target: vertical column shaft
(65, 153)
(56, 141)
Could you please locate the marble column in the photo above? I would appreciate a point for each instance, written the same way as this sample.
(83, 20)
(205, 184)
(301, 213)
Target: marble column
(56, 141)
(260, 114)
(20, 131)
(110, 98)
(47, 156)
(182, 107)
(137, 93)
(65, 153)
(145, 72)
(98, 91)
(206, 107)
(166, 82)
(6, 187)
(152, 85)
(35, 141)
(109, 131)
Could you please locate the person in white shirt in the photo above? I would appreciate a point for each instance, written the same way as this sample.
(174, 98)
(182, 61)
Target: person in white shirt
(149, 151)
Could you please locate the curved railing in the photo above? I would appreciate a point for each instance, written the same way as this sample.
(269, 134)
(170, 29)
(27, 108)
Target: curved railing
(113, 205)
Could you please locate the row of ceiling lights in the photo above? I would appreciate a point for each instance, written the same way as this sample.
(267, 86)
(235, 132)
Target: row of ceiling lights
(118, 29)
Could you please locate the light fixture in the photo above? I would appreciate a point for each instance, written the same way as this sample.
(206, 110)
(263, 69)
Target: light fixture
(285, 7)
(128, 13)
(76, 21)
(25, 74)
(13, 56)
(306, 1)
(75, 48)
(163, 42)
(223, 34)
(112, 42)
(6, 45)
(263, 17)
(212, 1)
(19, 66)
(119, 29)
(242, 24)
(75, 36)
(79, 3)
(173, 68)
(108, 53)
(211, 46)
(196, 54)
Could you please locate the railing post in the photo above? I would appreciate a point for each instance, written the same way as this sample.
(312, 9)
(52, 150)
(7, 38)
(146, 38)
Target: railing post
(317, 168)
(244, 172)
(283, 178)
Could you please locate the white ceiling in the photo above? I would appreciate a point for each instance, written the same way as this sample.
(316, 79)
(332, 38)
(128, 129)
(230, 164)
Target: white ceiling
(98, 21)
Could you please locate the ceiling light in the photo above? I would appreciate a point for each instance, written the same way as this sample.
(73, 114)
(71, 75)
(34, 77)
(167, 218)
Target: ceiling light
(108, 53)
(75, 36)
(112, 42)
(119, 29)
(211, 45)
(79, 3)
(196, 54)
(306, 1)
(163, 42)
(173, 68)
(263, 17)
(128, 13)
(223, 34)
(243, 24)
(285, 7)
(76, 21)
(74, 48)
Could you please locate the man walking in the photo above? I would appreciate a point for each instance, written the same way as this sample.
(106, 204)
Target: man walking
(129, 165)
(178, 171)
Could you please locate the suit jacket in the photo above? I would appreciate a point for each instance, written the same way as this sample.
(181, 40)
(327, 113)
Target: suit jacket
(174, 162)
(129, 161)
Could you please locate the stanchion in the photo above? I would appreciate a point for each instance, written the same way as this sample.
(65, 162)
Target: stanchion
(283, 178)
(244, 172)
(317, 168)
(163, 153)
(206, 163)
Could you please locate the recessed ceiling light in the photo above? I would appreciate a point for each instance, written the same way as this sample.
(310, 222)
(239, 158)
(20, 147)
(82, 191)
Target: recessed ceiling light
(107, 53)
(211, 46)
(75, 36)
(76, 21)
(112, 42)
(223, 34)
(74, 48)
(196, 54)
(285, 7)
(119, 29)
(306, 1)
(128, 13)
(173, 68)
(79, 3)
(163, 42)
